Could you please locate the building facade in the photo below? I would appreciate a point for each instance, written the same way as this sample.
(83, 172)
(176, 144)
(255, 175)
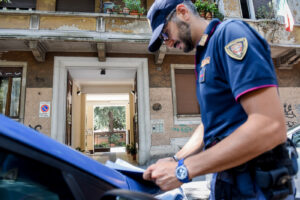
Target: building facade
(54, 53)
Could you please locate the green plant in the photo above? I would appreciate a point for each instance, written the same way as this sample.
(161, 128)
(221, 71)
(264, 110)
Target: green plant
(265, 12)
(114, 138)
(102, 118)
(133, 150)
(268, 21)
(102, 145)
(79, 149)
(128, 146)
(117, 8)
(212, 7)
(122, 144)
(134, 5)
(201, 6)
(218, 15)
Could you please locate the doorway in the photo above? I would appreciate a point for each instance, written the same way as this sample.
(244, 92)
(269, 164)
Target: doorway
(64, 64)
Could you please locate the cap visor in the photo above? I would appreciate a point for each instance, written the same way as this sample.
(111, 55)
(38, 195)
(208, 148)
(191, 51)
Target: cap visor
(155, 41)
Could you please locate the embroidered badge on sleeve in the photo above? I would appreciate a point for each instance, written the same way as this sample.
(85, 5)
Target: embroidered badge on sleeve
(237, 48)
(205, 61)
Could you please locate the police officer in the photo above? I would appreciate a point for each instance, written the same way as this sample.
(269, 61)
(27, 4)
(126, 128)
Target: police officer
(240, 108)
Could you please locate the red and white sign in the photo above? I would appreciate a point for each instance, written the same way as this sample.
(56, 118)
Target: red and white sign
(44, 109)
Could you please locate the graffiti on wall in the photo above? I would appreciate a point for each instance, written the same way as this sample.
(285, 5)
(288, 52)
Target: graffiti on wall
(290, 114)
(183, 129)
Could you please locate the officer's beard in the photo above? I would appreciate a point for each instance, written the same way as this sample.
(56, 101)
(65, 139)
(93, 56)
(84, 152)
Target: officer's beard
(185, 36)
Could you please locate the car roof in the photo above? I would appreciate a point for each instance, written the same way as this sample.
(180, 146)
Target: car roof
(292, 130)
(47, 145)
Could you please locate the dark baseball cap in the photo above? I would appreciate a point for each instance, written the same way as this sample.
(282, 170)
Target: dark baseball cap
(157, 15)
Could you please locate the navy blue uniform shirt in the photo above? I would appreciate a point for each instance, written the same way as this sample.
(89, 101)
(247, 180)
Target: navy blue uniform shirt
(234, 60)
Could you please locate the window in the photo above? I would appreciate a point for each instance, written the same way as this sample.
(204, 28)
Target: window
(27, 173)
(185, 104)
(75, 5)
(20, 4)
(23, 178)
(12, 90)
(258, 9)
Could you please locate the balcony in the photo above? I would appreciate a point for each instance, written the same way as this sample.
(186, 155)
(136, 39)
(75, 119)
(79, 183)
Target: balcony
(73, 32)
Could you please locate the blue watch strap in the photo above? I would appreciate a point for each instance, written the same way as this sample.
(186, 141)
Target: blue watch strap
(181, 165)
(181, 162)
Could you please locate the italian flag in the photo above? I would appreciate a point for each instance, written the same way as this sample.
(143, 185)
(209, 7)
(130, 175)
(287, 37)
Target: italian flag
(284, 10)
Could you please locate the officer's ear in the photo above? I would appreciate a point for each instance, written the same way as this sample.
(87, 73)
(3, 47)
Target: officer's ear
(183, 12)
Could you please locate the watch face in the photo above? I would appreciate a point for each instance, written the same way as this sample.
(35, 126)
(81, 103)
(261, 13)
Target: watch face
(181, 172)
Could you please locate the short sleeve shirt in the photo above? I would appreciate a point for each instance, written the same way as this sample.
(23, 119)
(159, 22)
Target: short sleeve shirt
(234, 61)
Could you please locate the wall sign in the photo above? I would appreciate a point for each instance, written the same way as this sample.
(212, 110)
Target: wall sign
(44, 109)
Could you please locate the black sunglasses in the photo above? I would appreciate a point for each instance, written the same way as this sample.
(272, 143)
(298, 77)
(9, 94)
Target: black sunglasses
(164, 35)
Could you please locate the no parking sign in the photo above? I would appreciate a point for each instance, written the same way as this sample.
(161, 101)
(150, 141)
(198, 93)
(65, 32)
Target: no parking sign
(44, 109)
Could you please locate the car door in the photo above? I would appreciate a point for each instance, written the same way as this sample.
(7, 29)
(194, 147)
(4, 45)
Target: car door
(29, 174)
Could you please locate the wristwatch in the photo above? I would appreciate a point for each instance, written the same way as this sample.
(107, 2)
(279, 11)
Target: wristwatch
(182, 172)
(175, 158)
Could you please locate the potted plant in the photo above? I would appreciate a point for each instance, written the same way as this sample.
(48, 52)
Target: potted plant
(128, 148)
(133, 151)
(116, 9)
(211, 8)
(201, 7)
(134, 6)
(218, 15)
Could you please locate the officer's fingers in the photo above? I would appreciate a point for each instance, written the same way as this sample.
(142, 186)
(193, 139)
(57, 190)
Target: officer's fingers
(157, 174)
(148, 173)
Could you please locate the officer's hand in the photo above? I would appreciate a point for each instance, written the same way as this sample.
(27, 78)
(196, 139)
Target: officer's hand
(163, 174)
(148, 173)
(168, 159)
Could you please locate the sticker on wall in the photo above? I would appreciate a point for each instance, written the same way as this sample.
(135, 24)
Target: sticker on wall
(44, 109)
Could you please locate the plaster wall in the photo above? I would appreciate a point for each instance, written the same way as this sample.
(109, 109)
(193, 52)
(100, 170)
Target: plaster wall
(129, 25)
(67, 23)
(89, 126)
(83, 121)
(14, 21)
(46, 5)
(127, 117)
(132, 111)
(32, 107)
(289, 77)
(76, 118)
(290, 98)
(163, 96)
(232, 8)
(275, 33)
(295, 10)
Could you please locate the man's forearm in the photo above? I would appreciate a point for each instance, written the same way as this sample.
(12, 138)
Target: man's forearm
(194, 144)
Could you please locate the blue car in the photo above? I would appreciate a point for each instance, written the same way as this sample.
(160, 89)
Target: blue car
(34, 166)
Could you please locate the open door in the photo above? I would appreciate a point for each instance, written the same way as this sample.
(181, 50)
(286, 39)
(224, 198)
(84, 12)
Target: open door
(135, 121)
(68, 138)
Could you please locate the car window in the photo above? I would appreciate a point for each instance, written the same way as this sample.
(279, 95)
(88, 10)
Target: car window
(24, 178)
(296, 139)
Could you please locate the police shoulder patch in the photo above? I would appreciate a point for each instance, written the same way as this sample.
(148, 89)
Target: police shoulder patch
(237, 48)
